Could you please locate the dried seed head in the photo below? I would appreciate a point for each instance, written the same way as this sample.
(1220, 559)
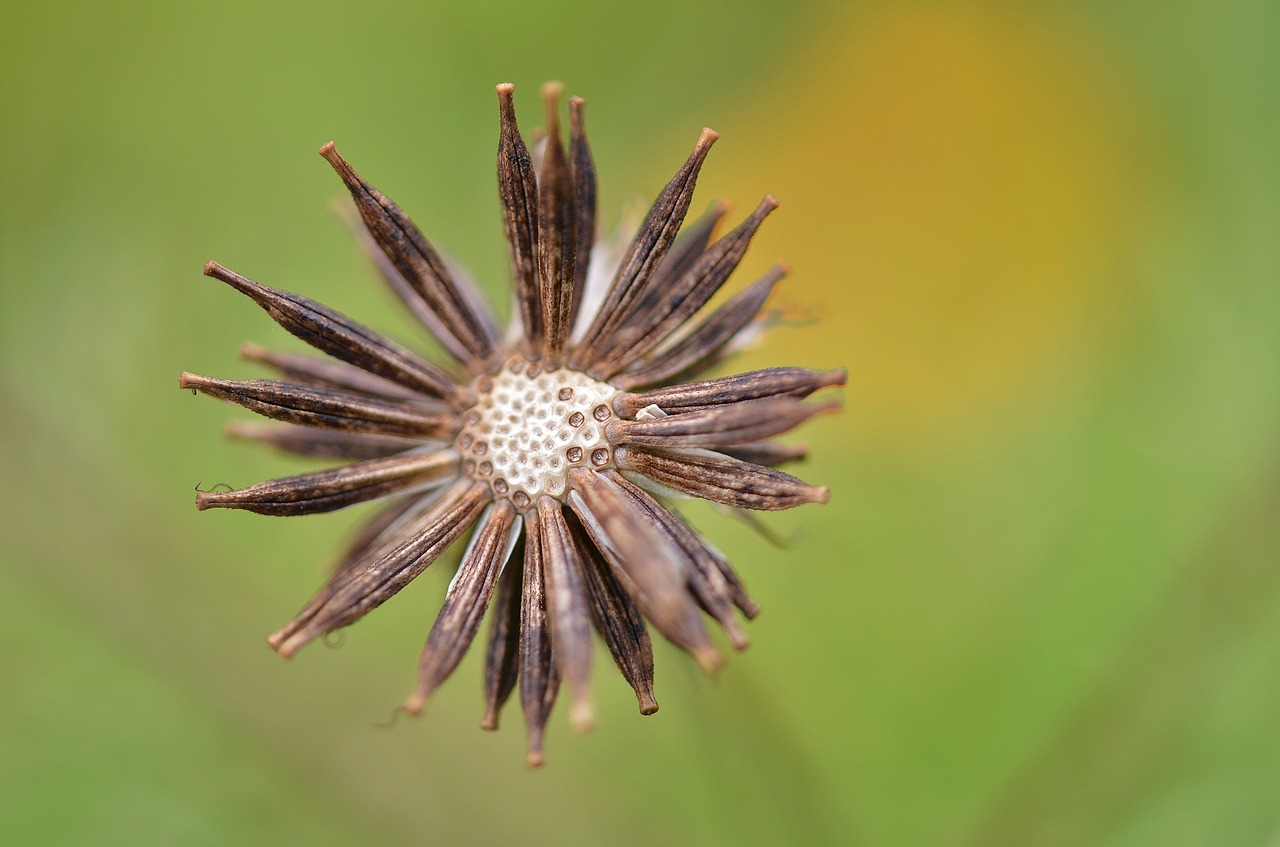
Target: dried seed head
(531, 425)
(541, 455)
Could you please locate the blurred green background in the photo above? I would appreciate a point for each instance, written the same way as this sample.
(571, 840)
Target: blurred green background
(1042, 608)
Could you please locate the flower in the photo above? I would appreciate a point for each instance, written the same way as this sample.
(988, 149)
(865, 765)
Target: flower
(557, 446)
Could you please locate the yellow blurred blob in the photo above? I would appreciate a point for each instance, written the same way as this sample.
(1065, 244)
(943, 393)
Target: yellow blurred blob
(956, 187)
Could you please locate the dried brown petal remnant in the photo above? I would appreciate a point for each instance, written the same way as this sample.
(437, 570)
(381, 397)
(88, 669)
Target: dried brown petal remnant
(555, 451)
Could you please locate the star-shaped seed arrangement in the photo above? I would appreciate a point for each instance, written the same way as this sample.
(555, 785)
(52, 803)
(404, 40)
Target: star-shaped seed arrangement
(558, 445)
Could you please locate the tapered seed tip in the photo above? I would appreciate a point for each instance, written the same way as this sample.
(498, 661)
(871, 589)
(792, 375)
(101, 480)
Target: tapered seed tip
(505, 91)
(836, 376)
(287, 644)
(784, 268)
(708, 137)
(202, 500)
(240, 283)
(737, 637)
(534, 757)
(827, 407)
(416, 701)
(708, 658)
(489, 722)
(821, 494)
(769, 203)
(331, 155)
(249, 350)
(577, 119)
(648, 705)
(186, 379)
(283, 644)
(243, 429)
(552, 91)
(224, 274)
(582, 717)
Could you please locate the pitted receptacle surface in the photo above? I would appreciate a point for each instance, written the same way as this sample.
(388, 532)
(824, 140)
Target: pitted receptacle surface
(529, 427)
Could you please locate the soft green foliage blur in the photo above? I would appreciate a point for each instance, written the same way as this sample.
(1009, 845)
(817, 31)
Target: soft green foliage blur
(1042, 607)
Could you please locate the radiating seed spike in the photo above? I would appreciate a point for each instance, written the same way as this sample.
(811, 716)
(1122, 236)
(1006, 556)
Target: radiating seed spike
(646, 557)
(386, 569)
(317, 406)
(720, 391)
(539, 681)
(420, 266)
(651, 320)
(464, 606)
(502, 658)
(702, 345)
(343, 338)
(336, 488)
(647, 250)
(721, 479)
(566, 608)
(302, 368)
(518, 188)
(584, 199)
(720, 426)
(322, 443)
(557, 235)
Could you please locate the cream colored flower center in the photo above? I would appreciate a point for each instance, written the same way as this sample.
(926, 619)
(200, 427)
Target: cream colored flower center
(529, 427)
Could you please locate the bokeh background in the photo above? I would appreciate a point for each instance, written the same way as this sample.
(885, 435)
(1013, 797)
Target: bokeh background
(1042, 608)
